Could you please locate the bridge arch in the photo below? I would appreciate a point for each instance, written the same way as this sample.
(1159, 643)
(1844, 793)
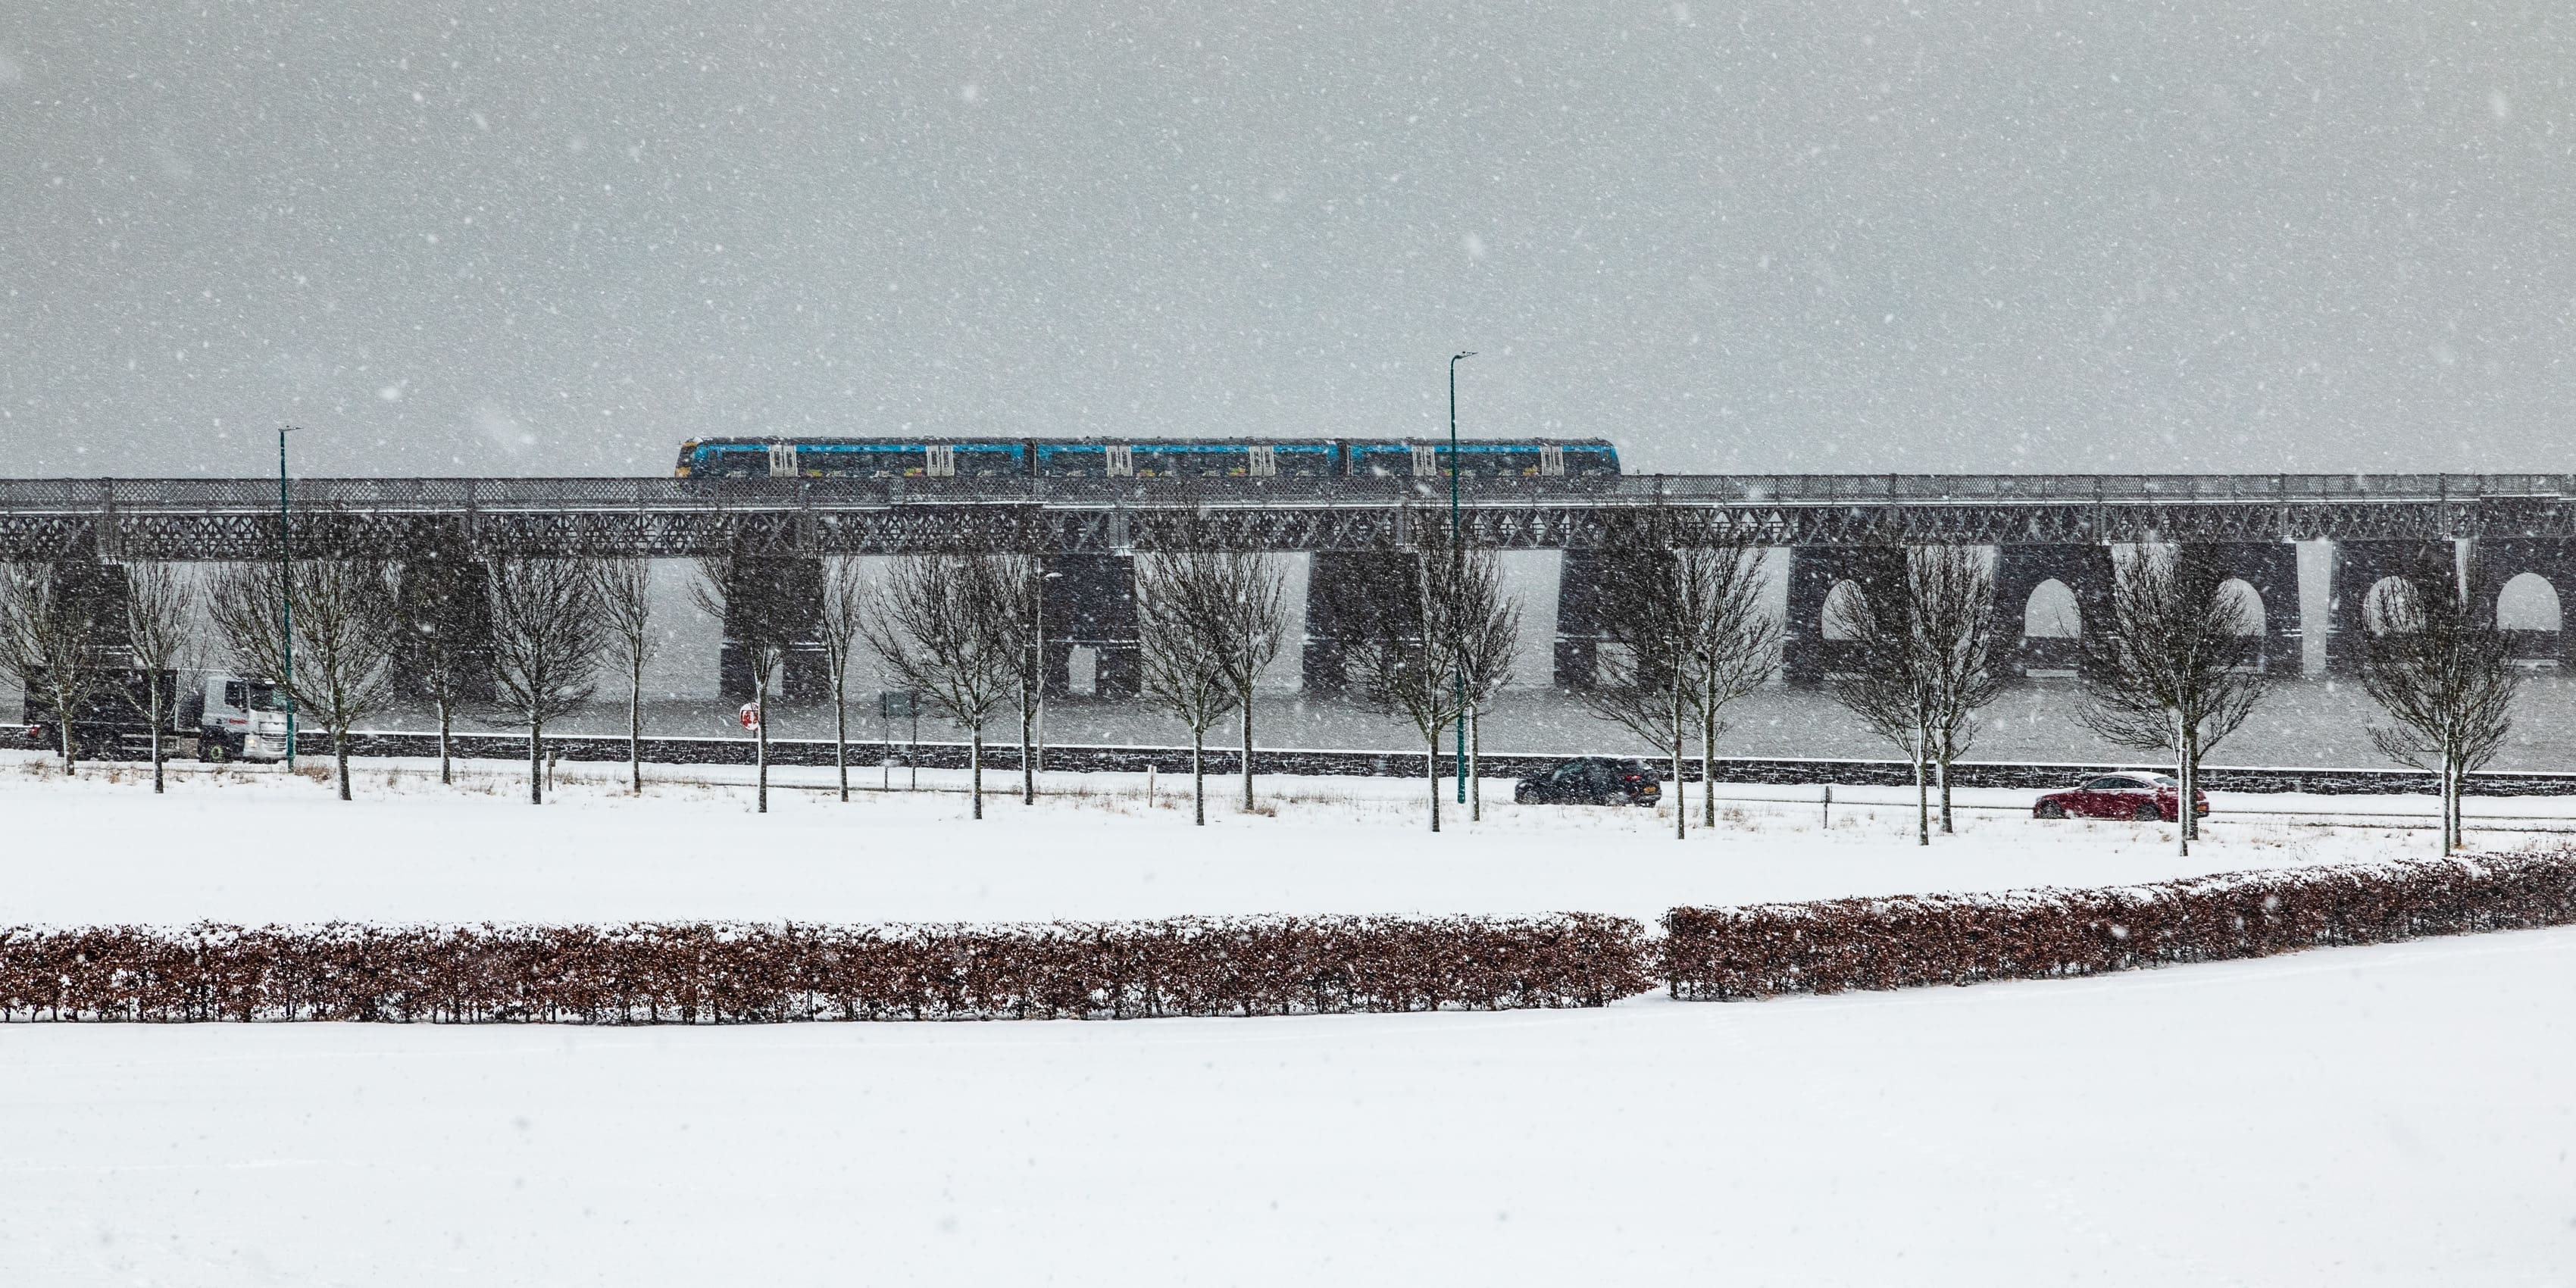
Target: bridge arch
(2250, 599)
(2528, 602)
(2052, 612)
(1830, 625)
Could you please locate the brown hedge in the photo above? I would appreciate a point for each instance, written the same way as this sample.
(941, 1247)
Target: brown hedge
(702, 972)
(1832, 945)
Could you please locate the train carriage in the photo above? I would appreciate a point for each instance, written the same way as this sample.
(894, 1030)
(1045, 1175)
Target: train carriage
(1180, 458)
(1483, 458)
(853, 458)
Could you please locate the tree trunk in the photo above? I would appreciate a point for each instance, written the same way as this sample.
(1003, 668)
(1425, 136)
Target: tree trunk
(635, 722)
(340, 754)
(1198, 775)
(1922, 794)
(446, 728)
(63, 725)
(536, 761)
(1028, 741)
(2182, 785)
(760, 753)
(155, 682)
(1944, 770)
(1681, 792)
(841, 734)
(1246, 698)
(1708, 767)
(975, 768)
(2448, 842)
(1431, 770)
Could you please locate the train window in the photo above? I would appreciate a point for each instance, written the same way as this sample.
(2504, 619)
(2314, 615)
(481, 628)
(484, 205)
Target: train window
(943, 462)
(1265, 462)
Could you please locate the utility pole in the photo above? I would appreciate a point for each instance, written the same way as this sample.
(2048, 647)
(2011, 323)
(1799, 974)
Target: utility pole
(1457, 553)
(286, 595)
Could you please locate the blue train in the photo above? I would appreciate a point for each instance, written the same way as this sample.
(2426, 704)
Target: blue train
(1201, 458)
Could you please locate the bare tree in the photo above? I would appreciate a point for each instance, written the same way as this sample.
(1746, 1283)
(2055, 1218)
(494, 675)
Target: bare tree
(2167, 669)
(1950, 591)
(1922, 667)
(1884, 680)
(548, 631)
(946, 625)
(845, 602)
(437, 617)
(1488, 629)
(1650, 625)
(1019, 615)
(50, 624)
(1186, 603)
(1735, 643)
(624, 589)
(343, 642)
(1405, 662)
(2439, 665)
(758, 621)
(161, 633)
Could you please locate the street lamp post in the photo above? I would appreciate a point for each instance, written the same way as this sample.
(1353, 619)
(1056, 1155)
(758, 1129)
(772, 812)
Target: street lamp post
(1458, 553)
(1037, 666)
(286, 595)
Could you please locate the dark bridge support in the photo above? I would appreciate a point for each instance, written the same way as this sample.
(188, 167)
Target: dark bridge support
(1580, 587)
(2553, 560)
(1814, 571)
(2271, 570)
(1345, 593)
(2020, 571)
(1092, 604)
(2358, 566)
(792, 589)
(444, 591)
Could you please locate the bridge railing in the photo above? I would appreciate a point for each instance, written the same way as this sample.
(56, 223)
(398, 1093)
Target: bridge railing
(459, 494)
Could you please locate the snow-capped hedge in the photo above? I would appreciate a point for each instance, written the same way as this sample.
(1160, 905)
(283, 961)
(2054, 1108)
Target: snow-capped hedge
(723, 973)
(697, 973)
(1832, 945)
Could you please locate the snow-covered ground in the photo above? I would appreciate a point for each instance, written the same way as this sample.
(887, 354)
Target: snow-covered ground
(2396, 1115)
(254, 845)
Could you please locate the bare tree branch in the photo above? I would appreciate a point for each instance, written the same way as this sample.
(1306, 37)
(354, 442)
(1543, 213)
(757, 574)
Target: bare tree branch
(2438, 664)
(625, 592)
(946, 627)
(2166, 671)
(548, 631)
(161, 635)
(51, 624)
(343, 642)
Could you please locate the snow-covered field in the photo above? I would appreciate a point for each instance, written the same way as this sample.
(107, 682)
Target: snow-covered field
(2393, 1115)
(2396, 1115)
(256, 846)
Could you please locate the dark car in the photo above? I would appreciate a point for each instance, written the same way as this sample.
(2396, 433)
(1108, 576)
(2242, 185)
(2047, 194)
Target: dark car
(2142, 796)
(1591, 780)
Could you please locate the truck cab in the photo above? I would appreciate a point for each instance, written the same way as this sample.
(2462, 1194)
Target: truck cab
(239, 718)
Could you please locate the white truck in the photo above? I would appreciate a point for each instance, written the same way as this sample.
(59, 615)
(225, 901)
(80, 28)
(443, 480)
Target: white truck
(212, 716)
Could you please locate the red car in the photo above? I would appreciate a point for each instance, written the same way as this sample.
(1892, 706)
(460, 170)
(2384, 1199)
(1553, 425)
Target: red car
(2142, 796)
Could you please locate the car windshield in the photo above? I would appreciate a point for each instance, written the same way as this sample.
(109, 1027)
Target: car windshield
(265, 696)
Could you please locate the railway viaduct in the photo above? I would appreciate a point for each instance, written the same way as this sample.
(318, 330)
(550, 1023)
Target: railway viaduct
(2053, 536)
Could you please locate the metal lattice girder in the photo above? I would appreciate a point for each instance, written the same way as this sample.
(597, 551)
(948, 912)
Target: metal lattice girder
(236, 519)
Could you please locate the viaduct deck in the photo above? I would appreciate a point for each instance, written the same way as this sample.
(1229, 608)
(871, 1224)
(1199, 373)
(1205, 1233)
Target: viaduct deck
(224, 519)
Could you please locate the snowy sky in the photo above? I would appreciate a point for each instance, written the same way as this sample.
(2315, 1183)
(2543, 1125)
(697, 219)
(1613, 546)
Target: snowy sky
(1828, 236)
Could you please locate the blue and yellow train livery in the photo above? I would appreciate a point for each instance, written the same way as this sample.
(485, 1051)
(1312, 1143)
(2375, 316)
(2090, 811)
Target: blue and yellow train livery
(1146, 458)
